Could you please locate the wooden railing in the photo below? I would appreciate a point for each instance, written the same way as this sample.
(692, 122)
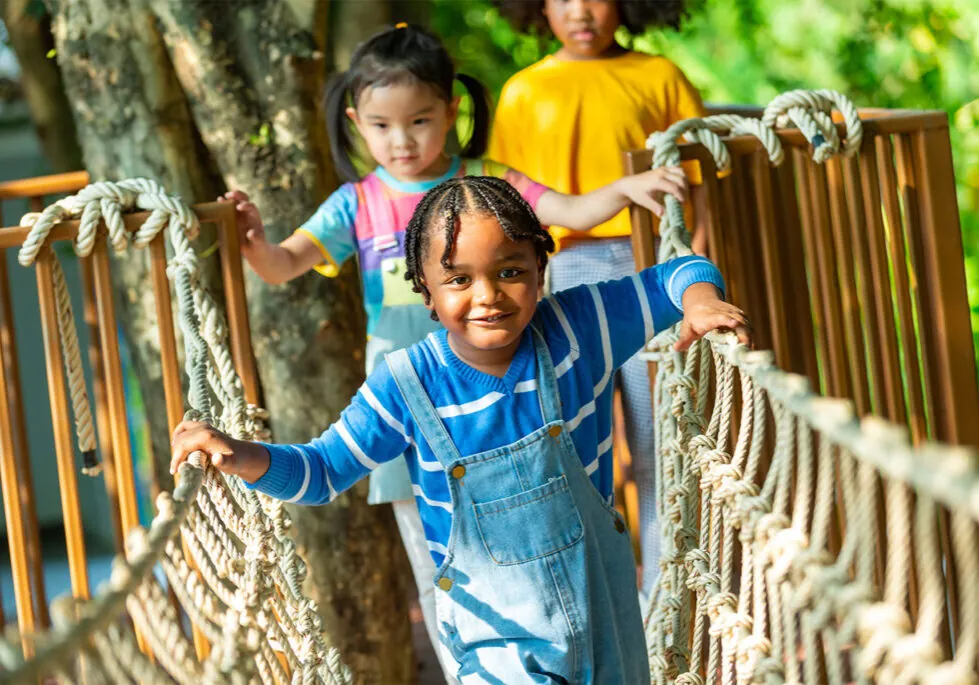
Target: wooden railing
(108, 393)
(852, 271)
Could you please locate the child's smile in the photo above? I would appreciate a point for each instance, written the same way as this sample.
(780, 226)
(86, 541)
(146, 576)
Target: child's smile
(486, 294)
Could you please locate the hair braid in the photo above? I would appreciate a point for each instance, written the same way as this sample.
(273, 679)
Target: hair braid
(444, 205)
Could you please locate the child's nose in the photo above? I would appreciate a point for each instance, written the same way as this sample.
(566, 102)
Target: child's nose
(486, 292)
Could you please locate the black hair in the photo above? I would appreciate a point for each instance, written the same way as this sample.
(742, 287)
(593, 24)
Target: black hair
(402, 54)
(443, 205)
(636, 15)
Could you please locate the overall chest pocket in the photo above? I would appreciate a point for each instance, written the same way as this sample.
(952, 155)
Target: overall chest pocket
(530, 524)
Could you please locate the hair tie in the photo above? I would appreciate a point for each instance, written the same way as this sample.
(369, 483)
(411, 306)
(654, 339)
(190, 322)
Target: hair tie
(401, 25)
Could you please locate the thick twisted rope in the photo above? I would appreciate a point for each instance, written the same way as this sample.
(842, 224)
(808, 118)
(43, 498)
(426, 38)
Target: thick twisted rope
(797, 605)
(243, 587)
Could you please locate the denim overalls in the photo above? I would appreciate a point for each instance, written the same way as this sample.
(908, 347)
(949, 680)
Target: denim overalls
(539, 583)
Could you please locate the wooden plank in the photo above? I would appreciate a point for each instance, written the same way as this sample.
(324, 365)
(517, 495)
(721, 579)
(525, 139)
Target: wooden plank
(18, 433)
(642, 235)
(800, 163)
(234, 298)
(61, 420)
(902, 288)
(950, 361)
(841, 233)
(749, 248)
(103, 425)
(889, 393)
(836, 367)
(15, 510)
(14, 236)
(40, 186)
(792, 263)
(768, 240)
(115, 391)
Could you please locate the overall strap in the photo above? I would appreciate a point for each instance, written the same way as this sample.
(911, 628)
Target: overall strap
(420, 406)
(550, 400)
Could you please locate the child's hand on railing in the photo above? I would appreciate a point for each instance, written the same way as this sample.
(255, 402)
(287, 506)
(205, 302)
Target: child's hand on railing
(649, 188)
(247, 460)
(704, 311)
(251, 230)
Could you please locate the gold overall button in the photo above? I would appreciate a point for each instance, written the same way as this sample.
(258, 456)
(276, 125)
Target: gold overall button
(554, 431)
(445, 583)
(458, 472)
(619, 526)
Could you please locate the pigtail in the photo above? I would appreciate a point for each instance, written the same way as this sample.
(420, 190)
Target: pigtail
(338, 127)
(479, 139)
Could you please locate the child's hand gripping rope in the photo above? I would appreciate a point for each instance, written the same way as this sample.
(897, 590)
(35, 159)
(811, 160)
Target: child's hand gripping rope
(704, 311)
(248, 460)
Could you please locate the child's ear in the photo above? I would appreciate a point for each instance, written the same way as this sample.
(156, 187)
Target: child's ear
(352, 115)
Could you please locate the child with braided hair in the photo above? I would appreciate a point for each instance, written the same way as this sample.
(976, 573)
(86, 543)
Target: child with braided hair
(565, 121)
(398, 96)
(504, 420)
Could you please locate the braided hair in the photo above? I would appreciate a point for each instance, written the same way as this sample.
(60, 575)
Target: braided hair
(442, 207)
(636, 15)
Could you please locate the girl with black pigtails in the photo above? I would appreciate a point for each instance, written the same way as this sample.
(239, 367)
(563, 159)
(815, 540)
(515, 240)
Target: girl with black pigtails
(398, 96)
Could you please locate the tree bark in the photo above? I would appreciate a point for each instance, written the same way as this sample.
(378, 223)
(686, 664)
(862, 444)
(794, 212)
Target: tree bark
(226, 97)
(30, 38)
(132, 120)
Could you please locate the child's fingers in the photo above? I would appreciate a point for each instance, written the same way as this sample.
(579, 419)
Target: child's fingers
(687, 337)
(236, 196)
(651, 204)
(185, 426)
(197, 438)
(744, 335)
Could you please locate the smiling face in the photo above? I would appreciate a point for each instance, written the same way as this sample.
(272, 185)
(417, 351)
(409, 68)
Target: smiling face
(586, 28)
(487, 294)
(404, 126)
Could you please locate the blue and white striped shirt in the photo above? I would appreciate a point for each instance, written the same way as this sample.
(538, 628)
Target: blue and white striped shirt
(590, 331)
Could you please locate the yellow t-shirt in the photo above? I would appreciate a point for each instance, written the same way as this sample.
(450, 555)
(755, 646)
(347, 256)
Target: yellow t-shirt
(566, 123)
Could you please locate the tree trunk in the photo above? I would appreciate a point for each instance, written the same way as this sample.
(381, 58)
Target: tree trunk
(30, 38)
(228, 93)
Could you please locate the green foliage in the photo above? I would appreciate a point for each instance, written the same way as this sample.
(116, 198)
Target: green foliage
(913, 54)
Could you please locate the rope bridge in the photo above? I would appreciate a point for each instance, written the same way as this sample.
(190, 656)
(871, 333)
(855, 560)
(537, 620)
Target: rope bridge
(223, 549)
(793, 557)
(794, 536)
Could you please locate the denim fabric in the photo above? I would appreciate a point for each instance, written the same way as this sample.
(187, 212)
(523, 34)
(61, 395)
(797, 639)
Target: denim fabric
(538, 583)
(397, 327)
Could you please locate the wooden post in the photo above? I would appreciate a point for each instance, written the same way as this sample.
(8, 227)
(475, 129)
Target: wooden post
(16, 511)
(61, 420)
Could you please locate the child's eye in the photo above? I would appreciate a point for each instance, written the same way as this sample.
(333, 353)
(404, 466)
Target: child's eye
(380, 126)
(421, 122)
(459, 280)
(510, 273)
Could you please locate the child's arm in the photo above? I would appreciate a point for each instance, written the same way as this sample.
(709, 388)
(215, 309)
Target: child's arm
(274, 263)
(370, 432)
(614, 319)
(582, 212)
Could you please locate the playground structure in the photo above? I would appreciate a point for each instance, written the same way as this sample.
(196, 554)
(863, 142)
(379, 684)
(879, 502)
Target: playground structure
(790, 549)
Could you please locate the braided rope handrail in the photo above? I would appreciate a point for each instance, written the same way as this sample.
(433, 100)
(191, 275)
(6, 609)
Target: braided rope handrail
(797, 613)
(242, 582)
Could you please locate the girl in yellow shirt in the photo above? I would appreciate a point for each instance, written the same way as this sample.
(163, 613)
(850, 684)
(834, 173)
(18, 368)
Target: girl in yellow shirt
(566, 121)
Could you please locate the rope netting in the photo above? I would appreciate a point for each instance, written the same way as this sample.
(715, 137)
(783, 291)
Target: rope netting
(222, 549)
(799, 544)
(773, 503)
